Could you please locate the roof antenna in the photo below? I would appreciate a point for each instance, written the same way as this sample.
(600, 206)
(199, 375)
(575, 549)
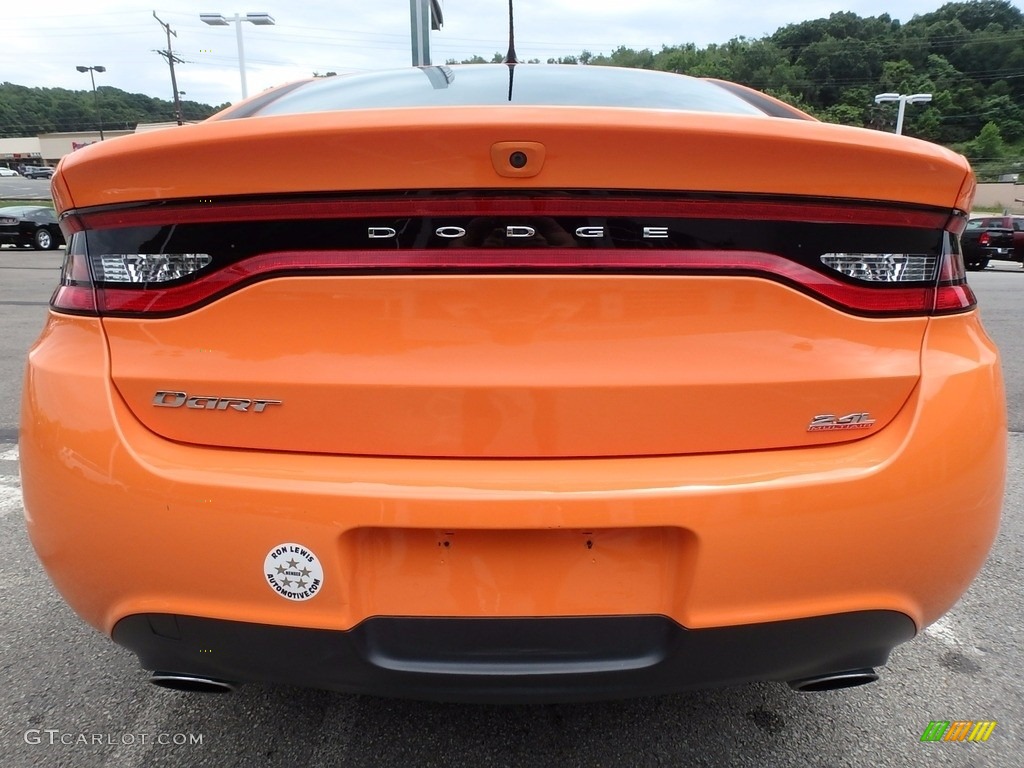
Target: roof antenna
(510, 57)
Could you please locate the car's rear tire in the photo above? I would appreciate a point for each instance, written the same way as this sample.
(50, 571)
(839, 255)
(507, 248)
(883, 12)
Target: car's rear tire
(977, 266)
(43, 240)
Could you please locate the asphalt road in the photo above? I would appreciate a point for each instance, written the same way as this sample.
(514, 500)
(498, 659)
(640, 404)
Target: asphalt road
(20, 188)
(71, 698)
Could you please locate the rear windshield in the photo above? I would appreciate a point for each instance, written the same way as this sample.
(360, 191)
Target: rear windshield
(496, 84)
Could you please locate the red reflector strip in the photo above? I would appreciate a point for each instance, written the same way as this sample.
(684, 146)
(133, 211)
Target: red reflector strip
(413, 207)
(954, 298)
(74, 298)
(183, 297)
(957, 223)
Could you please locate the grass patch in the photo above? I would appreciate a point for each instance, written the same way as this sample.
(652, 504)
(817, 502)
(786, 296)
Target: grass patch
(8, 203)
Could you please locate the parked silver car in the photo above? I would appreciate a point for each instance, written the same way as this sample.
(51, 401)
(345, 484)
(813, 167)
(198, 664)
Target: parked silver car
(37, 172)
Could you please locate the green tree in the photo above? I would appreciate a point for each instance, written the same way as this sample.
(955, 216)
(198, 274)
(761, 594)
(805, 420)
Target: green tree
(977, 15)
(987, 145)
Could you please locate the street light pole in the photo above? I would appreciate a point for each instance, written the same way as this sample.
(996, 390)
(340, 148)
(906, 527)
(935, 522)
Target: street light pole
(219, 20)
(241, 55)
(95, 94)
(903, 99)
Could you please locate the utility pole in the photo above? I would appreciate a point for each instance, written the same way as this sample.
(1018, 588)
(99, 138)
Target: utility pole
(171, 61)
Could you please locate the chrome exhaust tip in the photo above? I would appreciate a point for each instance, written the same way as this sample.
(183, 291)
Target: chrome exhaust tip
(835, 680)
(190, 683)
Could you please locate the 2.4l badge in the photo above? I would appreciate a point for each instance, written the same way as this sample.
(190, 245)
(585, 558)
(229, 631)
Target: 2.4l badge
(828, 422)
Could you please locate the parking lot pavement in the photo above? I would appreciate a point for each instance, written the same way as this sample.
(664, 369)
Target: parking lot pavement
(71, 698)
(20, 188)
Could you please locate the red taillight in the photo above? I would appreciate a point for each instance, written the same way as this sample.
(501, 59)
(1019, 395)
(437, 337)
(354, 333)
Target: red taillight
(76, 293)
(952, 293)
(158, 275)
(984, 238)
(176, 299)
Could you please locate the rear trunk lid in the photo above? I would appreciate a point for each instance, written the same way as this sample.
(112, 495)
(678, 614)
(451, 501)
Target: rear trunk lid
(655, 287)
(514, 366)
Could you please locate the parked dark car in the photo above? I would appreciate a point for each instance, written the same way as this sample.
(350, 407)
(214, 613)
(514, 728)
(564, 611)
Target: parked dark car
(37, 172)
(982, 241)
(1013, 223)
(34, 226)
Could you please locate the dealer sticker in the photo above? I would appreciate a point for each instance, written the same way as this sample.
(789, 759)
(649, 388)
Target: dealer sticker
(293, 571)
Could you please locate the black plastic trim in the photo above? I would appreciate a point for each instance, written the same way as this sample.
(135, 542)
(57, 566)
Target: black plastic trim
(427, 195)
(511, 660)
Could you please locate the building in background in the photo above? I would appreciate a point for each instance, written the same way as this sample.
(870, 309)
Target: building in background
(49, 148)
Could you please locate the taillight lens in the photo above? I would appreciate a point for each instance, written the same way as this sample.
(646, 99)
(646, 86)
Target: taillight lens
(883, 267)
(76, 293)
(136, 268)
(952, 293)
(167, 259)
(946, 272)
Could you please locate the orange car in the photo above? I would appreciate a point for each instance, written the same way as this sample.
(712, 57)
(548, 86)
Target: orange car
(526, 383)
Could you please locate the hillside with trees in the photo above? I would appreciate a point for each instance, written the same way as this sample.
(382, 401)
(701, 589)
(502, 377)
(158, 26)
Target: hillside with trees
(31, 111)
(968, 55)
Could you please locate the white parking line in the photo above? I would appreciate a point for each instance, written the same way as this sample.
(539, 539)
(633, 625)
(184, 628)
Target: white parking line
(10, 495)
(943, 631)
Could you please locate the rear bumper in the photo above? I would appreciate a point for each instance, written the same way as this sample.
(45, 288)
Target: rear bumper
(130, 525)
(513, 660)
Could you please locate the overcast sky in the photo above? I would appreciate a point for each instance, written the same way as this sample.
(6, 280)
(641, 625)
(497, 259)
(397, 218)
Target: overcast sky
(42, 44)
